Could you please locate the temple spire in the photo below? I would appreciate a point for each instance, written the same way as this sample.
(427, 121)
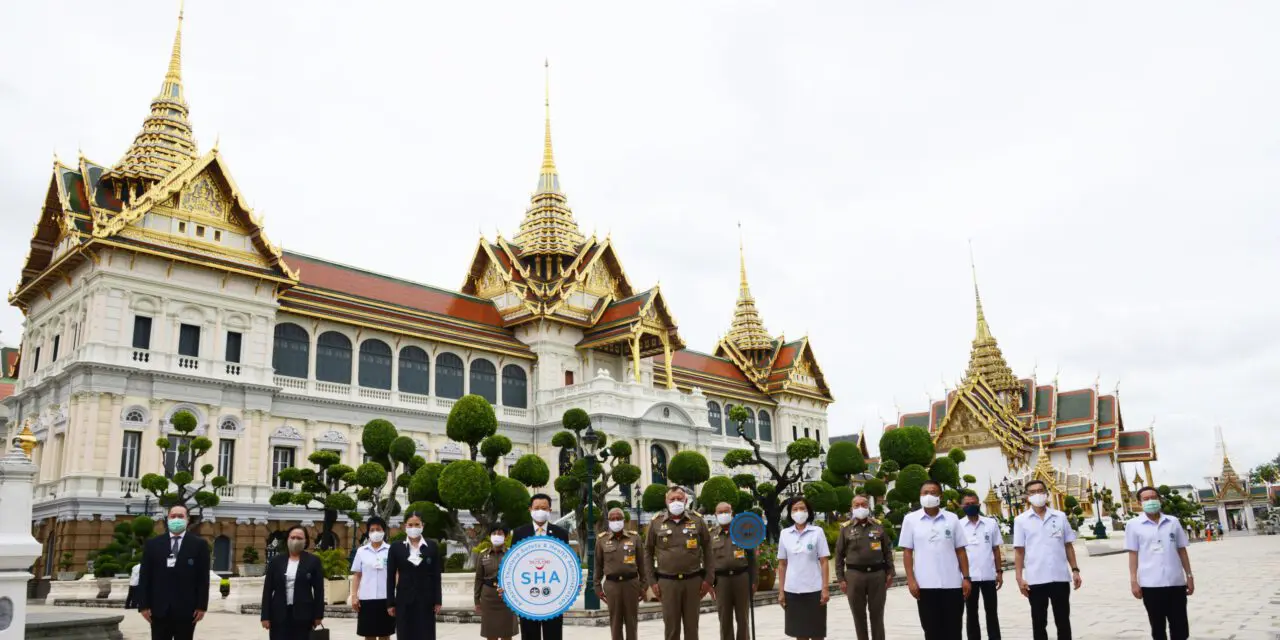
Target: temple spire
(166, 141)
(985, 358)
(747, 331)
(548, 227)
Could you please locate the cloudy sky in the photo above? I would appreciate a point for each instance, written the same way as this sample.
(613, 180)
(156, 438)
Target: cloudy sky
(1114, 164)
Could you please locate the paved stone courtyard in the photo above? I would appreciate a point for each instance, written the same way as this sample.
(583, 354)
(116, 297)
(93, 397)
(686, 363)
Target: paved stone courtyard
(1237, 597)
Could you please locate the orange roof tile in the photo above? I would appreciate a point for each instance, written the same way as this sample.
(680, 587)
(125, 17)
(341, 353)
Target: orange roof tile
(686, 359)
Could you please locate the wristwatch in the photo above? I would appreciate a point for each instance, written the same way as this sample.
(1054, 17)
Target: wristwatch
(1074, 570)
(967, 578)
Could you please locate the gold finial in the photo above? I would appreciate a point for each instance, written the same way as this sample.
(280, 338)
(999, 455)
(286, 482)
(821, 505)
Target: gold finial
(217, 140)
(26, 440)
(985, 358)
(548, 227)
(747, 330)
(548, 160)
(984, 331)
(174, 74)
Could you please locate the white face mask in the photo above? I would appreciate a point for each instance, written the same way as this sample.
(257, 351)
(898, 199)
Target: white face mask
(540, 515)
(861, 513)
(1038, 499)
(615, 525)
(413, 532)
(930, 501)
(800, 517)
(376, 536)
(676, 508)
(497, 540)
(724, 518)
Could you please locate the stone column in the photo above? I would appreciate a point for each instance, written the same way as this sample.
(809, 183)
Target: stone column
(18, 550)
(1222, 517)
(1249, 520)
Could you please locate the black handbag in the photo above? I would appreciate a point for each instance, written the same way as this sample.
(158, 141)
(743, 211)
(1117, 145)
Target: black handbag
(320, 633)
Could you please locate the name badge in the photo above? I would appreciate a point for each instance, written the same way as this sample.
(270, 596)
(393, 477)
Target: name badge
(171, 562)
(415, 560)
(875, 546)
(739, 554)
(379, 563)
(629, 560)
(1157, 548)
(691, 543)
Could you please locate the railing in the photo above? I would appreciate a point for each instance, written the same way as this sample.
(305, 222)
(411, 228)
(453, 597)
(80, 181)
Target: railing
(445, 403)
(375, 394)
(129, 485)
(333, 387)
(413, 398)
(229, 491)
(233, 369)
(186, 362)
(515, 412)
(141, 356)
(291, 383)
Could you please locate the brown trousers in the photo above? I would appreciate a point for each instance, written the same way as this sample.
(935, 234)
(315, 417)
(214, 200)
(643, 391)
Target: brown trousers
(867, 591)
(624, 607)
(680, 605)
(733, 601)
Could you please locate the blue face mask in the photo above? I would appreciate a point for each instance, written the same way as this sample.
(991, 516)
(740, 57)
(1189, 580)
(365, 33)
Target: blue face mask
(1151, 506)
(177, 525)
(970, 510)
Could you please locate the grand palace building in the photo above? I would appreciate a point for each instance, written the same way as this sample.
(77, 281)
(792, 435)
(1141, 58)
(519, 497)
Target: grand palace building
(150, 288)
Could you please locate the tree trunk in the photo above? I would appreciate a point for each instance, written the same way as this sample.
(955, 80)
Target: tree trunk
(327, 539)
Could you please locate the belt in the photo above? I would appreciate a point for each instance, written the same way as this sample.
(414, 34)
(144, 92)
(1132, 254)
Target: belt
(681, 576)
(866, 568)
(622, 577)
(724, 573)
(491, 583)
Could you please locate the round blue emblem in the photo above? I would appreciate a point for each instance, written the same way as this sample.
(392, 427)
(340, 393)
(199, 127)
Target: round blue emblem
(747, 530)
(540, 578)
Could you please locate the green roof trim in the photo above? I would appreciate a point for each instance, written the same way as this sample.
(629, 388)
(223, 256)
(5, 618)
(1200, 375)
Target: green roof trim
(1075, 405)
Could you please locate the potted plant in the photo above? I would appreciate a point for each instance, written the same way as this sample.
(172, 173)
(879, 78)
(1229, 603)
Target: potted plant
(64, 567)
(250, 567)
(104, 570)
(224, 587)
(766, 563)
(337, 587)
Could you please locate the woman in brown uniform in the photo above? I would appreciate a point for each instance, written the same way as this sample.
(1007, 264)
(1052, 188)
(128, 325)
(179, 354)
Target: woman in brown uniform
(496, 620)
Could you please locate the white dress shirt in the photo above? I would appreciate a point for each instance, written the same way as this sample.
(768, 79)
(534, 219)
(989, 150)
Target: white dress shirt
(980, 540)
(371, 564)
(933, 542)
(1044, 542)
(804, 551)
(290, 578)
(1157, 543)
(135, 574)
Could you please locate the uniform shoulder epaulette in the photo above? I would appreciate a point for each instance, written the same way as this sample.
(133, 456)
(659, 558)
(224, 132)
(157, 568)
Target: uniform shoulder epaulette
(602, 534)
(845, 523)
(632, 534)
(695, 514)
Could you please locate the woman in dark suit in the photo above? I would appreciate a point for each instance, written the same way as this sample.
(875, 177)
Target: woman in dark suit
(413, 582)
(293, 590)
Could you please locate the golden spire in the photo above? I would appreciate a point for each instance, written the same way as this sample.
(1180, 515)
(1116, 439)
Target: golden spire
(166, 141)
(985, 358)
(747, 331)
(548, 227)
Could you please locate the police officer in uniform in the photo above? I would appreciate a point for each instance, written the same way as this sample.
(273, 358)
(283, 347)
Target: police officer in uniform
(679, 544)
(734, 577)
(864, 558)
(619, 556)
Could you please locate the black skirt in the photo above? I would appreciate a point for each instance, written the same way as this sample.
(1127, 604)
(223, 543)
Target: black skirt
(805, 615)
(373, 620)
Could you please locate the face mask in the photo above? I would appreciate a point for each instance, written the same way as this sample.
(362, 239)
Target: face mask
(970, 510)
(676, 508)
(724, 518)
(1038, 499)
(497, 540)
(930, 501)
(376, 536)
(177, 525)
(800, 517)
(861, 513)
(1151, 506)
(540, 515)
(615, 525)
(296, 546)
(413, 532)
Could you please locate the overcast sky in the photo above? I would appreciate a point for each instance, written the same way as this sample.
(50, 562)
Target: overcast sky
(1115, 165)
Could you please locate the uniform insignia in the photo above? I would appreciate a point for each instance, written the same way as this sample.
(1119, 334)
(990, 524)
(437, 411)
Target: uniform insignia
(603, 534)
(845, 523)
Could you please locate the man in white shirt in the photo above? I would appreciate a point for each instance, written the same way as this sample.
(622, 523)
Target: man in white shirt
(936, 564)
(982, 540)
(1159, 569)
(1045, 562)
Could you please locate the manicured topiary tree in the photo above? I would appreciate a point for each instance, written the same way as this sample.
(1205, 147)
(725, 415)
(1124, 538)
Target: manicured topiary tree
(716, 490)
(612, 469)
(766, 494)
(689, 469)
(907, 445)
(654, 498)
(189, 452)
(327, 488)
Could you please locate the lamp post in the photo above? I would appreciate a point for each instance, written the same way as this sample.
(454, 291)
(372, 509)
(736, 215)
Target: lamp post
(1099, 529)
(590, 440)
(128, 504)
(1011, 491)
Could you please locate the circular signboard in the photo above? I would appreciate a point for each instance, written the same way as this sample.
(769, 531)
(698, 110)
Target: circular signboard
(747, 530)
(540, 578)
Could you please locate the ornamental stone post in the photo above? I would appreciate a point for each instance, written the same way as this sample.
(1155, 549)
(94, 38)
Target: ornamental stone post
(17, 548)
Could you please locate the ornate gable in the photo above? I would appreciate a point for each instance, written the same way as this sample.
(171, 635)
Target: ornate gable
(976, 406)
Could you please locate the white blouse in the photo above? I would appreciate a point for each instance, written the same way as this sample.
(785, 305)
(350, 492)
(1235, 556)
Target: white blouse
(290, 577)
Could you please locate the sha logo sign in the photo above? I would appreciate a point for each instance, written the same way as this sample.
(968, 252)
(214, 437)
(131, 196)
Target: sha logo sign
(540, 578)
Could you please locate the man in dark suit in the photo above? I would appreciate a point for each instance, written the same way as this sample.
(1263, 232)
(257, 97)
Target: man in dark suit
(173, 585)
(540, 509)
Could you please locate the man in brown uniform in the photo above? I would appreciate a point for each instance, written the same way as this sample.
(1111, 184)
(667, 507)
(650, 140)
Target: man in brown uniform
(864, 558)
(619, 556)
(680, 545)
(735, 571)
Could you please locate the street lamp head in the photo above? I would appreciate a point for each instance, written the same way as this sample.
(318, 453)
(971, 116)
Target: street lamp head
(590, 441)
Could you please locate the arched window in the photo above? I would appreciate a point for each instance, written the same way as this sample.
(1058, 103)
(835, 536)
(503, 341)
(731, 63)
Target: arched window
(658, 464)
(713, 415)
(292, 352)
(766, 427)
(749, 427)
(333, 358)
(515, 387)
(795, 434)
(135, 415)
(222, 554)
(484, 380)
(415, 371)
(448, 376)
(730, 427)
(375, 365)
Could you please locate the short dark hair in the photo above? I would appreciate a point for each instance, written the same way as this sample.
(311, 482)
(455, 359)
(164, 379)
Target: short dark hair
(305, 534)
(375, 521)
(1140, 491)
(931, 482)
(1030, 483)
(185, 509)
(969, 494)
(413, 514)
(539, 496)
(496, 529)
(797, 501)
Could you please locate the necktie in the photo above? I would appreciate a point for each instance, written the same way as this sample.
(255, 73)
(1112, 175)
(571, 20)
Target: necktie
(173, 550)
